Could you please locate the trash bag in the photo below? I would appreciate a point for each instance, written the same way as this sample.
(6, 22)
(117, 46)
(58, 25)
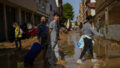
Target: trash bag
(33, 53)
(80, 44)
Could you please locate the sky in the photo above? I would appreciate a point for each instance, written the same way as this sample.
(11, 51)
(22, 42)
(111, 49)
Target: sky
(76, 6)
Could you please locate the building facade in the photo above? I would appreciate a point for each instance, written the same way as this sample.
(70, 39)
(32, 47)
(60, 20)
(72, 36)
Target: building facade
(108, 12)
(84, 10)
(80, 16)
(60, 8)
(53, 9)
(87, 7)
(106, 16)
(23, 12)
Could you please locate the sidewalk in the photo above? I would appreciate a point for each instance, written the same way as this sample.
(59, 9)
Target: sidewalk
(26, 43)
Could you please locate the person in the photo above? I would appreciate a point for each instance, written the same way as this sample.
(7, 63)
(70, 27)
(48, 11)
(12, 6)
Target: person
(88, 31)
(81, 25)
(43, 31)
(38, 47)
(53, 35)
(18, 35)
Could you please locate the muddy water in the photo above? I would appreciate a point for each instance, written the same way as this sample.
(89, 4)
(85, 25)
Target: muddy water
(106, 54)
(71, 61)
(10, 58)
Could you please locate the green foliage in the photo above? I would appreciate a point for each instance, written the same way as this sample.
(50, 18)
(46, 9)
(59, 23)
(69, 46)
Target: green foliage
(68, 11)
(76, 23)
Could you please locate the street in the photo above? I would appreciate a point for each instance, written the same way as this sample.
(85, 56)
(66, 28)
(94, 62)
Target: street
(59, 33)
(14, 59)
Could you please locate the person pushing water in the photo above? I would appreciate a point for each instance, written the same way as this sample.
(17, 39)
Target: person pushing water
(86, 41)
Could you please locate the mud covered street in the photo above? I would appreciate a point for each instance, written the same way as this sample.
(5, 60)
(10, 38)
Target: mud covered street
(106, 54)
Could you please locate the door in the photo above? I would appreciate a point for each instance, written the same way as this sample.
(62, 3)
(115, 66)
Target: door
(2, 28)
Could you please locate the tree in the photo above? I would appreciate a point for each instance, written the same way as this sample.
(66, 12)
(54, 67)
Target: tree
(76, 23)
(68, 11)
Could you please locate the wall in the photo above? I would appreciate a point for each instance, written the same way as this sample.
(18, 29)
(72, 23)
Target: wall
(93, 12)
(29, 4)
(2, 28)
(53, 9)
(84, 10)
(99, 3)
(114, 13)
(113, 24)
(113, 32)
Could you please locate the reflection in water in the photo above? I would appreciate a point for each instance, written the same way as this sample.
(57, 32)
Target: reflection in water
(77, 51)
(96, 65)
(12, 58)
(72, 60)
(20, 65)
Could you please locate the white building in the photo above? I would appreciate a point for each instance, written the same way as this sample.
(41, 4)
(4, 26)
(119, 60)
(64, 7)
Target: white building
(92, 1)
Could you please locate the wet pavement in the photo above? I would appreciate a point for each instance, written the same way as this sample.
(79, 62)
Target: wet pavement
(106, 54)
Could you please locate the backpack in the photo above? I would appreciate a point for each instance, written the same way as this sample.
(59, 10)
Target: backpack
(21, 31)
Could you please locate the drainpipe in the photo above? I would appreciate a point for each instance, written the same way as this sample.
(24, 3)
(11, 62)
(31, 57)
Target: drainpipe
(106, 22)
(5, 21)
(106, 28)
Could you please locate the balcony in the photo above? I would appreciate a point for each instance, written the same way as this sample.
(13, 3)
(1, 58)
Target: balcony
(41, 8)
(101, 4)
(31, 5)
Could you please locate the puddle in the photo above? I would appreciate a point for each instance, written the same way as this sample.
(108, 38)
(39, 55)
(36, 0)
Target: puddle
(109, 52)
(72, 59)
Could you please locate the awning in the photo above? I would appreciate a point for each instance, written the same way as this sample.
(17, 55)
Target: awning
(91, 5)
